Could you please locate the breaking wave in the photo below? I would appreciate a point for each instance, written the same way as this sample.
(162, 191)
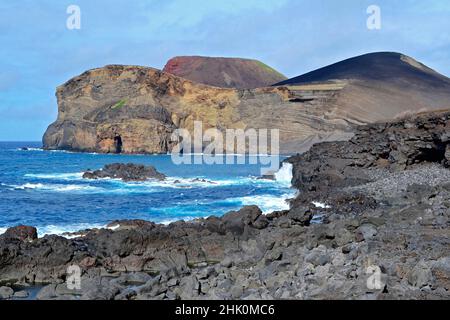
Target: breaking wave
(56, 176)
(62, 230)
(284, 175)
(53, 187)
(267, 203)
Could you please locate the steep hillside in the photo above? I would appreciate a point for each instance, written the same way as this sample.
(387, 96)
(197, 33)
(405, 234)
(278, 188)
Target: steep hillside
(224, 72)
(382, 86)
(379, 66)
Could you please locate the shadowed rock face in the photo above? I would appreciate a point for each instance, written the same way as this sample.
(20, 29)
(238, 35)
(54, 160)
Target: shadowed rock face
(224, 72)
(130, 109)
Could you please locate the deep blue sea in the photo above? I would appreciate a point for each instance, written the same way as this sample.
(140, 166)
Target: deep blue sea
(45, 189)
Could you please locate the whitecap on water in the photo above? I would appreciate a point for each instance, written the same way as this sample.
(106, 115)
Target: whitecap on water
(58, 176)
(187, 183)
(284, 175)
(267, 203)
(53, 187)
(28, 186)
(29, 149)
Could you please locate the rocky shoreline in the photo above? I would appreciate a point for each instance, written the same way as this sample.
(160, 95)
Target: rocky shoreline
(375, 206)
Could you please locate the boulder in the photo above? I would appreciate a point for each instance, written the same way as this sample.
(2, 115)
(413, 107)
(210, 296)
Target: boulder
(236, 221)
(21, 294)
(318, 256)
(125, 172)
(22, 233)
(301, 215)
(6, 293)
(420, 276)
(441, 273)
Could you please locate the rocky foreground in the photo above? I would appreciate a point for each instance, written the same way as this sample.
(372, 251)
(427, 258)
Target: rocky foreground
(379, 228)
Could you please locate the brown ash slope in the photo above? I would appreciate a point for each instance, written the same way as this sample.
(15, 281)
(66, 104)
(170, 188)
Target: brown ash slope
(235, 73)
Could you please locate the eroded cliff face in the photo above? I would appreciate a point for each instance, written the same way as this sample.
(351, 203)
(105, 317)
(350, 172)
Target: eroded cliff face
(134, 109)
(131, 109)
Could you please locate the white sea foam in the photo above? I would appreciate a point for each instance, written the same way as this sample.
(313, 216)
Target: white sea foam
(267, 203)
(166, 222)
(284, 175)
(61, 151)
(58, 176)
(114, 227)
(73, 187)
(321, 205)
(3, 230)
(121, 187)
(27, 186)
(169, 182)
(188, 183)
(62, 230)
(30, 149)
(54, 187)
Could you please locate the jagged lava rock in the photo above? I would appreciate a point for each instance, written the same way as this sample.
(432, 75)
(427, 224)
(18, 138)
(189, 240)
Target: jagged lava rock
(125, 172)
(22, 233)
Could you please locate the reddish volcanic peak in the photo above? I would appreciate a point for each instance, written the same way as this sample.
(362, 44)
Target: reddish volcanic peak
(224, 72)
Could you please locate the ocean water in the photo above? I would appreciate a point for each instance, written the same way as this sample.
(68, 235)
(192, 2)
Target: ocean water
(45, 189)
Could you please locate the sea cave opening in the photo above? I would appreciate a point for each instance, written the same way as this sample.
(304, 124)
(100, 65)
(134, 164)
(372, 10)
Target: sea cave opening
(434, 154)
(118, 143)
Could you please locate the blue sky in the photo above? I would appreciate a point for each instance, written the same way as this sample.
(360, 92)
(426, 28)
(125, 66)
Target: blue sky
(295, 36)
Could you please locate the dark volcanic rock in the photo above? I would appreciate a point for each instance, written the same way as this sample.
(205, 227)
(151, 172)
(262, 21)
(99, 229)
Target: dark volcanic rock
(394, 146)
(388, 209)
(236, 222)
(22, 233)
(126, 172)
(301, 215)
